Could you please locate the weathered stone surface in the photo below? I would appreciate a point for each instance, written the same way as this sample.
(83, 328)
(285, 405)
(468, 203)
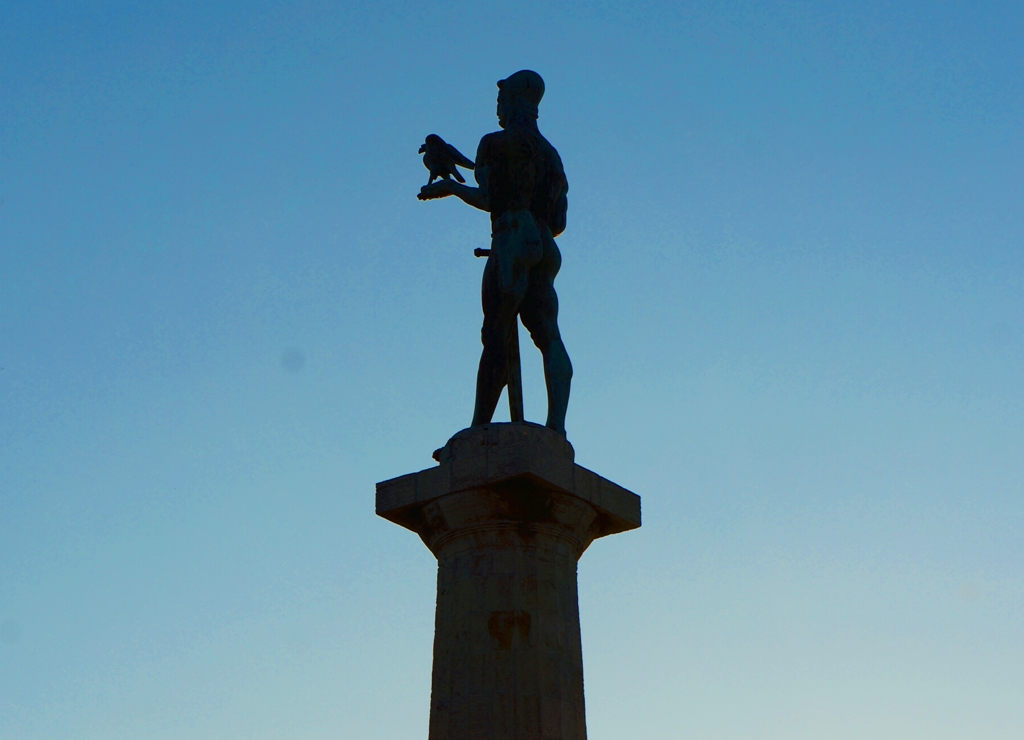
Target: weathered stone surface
(495, 455)
(507, 513)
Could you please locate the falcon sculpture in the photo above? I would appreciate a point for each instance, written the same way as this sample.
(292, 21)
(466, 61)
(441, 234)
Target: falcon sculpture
(441, 158)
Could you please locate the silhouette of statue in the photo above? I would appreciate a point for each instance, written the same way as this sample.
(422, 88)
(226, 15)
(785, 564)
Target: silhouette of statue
(523, 186)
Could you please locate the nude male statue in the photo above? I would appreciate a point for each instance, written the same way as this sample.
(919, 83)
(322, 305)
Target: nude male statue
(523, 186)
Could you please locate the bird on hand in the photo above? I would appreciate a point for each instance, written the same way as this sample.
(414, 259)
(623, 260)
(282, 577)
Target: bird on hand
(441, 158)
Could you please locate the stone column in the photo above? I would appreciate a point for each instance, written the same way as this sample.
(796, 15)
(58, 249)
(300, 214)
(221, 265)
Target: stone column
(507, 513)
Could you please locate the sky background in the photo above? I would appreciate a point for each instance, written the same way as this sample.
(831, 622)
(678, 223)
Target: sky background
(792, 291)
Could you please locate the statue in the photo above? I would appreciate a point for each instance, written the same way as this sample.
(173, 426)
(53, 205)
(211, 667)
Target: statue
(523, 186)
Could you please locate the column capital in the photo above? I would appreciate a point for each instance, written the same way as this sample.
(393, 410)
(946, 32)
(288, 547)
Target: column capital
(518, 472)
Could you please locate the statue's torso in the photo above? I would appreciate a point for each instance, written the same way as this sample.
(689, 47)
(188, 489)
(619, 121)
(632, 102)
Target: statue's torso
(524, 172)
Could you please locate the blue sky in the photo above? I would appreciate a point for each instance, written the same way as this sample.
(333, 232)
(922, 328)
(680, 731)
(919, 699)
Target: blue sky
(791, 290)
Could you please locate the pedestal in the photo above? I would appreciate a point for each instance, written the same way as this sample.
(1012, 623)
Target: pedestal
(507, 513)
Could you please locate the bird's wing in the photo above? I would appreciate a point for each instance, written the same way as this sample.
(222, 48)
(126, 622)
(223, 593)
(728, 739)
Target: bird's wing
(460, 159)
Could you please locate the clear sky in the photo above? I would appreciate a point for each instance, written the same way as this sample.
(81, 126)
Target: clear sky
(791, 290)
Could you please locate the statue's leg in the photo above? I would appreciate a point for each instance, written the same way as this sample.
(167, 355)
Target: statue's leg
(500, 308)
(517, 247)
(539, 313)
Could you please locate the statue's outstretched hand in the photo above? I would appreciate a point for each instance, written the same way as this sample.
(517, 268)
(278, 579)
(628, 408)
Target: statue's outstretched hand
(439, 189)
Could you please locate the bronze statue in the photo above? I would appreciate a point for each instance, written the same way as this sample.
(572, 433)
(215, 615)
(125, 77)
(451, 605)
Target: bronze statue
(523, 186)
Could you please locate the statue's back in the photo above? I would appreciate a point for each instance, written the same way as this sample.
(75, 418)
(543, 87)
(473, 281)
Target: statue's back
(524, 171)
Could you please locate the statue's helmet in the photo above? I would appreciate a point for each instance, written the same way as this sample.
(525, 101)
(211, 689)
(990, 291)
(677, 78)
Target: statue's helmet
(525, 85)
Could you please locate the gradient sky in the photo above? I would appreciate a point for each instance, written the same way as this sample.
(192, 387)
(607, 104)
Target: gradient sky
(792, 290)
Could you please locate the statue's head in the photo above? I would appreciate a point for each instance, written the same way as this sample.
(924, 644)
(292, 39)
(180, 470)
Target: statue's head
(518, 98)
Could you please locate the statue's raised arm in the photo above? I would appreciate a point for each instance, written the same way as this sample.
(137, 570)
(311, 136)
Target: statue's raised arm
(476, 197)
(521, 183)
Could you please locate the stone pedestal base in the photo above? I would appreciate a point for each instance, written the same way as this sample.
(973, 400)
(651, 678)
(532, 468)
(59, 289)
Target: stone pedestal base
(507, 513)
